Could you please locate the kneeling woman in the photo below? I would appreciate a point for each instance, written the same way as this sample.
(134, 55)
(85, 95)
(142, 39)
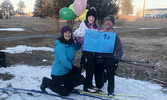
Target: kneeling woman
(65, 76)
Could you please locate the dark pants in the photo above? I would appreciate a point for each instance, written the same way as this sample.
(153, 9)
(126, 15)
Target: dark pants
(63, 85)
(2, 59)
(101, 66)
(90, 66)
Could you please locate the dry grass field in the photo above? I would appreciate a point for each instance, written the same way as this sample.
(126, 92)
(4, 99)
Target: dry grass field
(138, 44)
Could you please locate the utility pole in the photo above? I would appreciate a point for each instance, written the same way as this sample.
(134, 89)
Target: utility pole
(144, 8)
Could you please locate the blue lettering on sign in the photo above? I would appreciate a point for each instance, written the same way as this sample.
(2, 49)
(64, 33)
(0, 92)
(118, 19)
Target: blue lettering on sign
(106, 36)
(95, 41)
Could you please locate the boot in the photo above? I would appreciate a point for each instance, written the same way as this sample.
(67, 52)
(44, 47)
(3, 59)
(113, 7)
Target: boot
(43, 86)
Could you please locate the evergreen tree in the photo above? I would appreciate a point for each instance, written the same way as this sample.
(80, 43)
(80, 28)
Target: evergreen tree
(103, 8)
(58, 4)
(50, 7)
(38, 8)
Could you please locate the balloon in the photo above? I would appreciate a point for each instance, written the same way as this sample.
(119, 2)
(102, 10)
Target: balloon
(72, 7)
(79, 6)
(67, 14)
(83, 15)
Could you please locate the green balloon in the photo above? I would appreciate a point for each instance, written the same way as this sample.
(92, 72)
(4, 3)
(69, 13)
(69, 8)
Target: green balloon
(67, 14)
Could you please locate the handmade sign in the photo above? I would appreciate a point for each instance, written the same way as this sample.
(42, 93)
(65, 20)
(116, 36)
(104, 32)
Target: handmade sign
(95, 41)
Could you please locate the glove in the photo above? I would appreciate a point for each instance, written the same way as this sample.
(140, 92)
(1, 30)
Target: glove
(75, 69)
(116, 65)
(83, 63)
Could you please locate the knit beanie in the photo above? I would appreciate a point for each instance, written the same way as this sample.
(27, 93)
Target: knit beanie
(64, 29)
(111, 18)
(91, 12)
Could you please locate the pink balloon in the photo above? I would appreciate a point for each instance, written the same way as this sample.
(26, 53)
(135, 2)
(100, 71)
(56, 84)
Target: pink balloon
(79, 6)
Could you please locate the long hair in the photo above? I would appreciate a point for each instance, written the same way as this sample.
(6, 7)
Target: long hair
(94, 24)
(62, 40)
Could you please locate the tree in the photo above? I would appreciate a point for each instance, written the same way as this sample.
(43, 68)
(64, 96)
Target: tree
(0, 14)
(50, 7)
(38, 8)
(21, 6)
(127, 7)
(6, 8)
(103, 8)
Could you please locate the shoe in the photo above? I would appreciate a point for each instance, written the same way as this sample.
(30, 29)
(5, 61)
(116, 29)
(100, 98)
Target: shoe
(91, 90)
(74, 91)
(111, 94)
(43, 89)
(99, 90)
(95, 88)
(42, 86)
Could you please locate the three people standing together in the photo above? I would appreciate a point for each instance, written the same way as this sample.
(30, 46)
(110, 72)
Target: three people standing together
(65, 76)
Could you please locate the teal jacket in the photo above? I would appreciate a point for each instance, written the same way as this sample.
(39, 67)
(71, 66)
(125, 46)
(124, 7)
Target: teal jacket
(64, 57)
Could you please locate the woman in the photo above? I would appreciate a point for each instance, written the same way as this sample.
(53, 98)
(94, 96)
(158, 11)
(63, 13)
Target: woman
(64, 75)
(87, 57)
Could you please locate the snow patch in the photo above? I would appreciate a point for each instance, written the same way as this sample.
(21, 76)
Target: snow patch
(150, 28)
(24, 48)
(11, 29)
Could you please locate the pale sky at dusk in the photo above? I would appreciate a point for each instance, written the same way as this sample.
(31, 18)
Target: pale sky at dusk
(138, 4)
(150, 4)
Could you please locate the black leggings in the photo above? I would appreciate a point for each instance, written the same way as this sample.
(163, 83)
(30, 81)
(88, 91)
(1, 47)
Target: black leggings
(90, 66)
(63, 85)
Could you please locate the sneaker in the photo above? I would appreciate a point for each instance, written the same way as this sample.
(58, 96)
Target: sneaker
(95, 88)
(91, 90)
(111, 94)
(99, 90)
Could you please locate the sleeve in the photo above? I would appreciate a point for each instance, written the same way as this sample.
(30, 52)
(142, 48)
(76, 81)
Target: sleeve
(77, 46)
(60, 52)
(80, 31)
(80, 40)
(118, 48)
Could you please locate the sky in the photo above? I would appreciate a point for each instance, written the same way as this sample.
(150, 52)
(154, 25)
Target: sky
(138, 4)
(28, 3)
(149, 4)
(26, 77)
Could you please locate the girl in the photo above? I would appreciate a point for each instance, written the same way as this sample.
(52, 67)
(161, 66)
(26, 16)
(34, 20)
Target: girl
(87, 57)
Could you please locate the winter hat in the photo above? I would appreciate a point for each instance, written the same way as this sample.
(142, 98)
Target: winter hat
(91, 12)
(111, 18)
(64, 29)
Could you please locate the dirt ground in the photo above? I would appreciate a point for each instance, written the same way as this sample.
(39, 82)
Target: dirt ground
(138, 44)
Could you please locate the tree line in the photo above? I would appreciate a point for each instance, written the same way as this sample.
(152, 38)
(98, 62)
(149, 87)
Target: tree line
(51, 8)
(7, 9)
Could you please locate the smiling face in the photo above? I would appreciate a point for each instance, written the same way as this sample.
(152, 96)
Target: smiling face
(91, 19)
(67, 35)
(108, 24)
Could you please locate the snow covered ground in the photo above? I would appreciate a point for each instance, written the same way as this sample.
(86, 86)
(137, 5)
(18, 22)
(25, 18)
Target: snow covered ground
(11, 29)
(30, 77)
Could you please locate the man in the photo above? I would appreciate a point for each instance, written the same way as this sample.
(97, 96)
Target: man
(107, 62)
